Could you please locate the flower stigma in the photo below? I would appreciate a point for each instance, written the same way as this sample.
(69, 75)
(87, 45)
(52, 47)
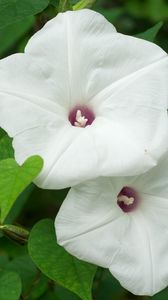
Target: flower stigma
(81, 116)
(80, 120)
(128, 199)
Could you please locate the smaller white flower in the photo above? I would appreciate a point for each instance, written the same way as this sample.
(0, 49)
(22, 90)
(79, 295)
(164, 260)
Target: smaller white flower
(121, 223)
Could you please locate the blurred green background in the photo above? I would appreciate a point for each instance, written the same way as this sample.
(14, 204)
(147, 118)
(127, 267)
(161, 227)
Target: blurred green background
(129, 17)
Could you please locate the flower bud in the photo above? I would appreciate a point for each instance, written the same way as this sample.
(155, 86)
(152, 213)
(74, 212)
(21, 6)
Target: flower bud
(16, 233)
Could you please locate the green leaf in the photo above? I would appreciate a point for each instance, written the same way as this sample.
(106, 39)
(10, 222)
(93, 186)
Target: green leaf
(10, 34)
(32, 279)
(2, 132)
(151, 33)
(14, 179)
(19, 204)
(54, 3)
(84, 4)
(56, 263)
(64, 5)
(12, 11)
(10, 286)
(3, 261)
(6, 149)
(24, 266)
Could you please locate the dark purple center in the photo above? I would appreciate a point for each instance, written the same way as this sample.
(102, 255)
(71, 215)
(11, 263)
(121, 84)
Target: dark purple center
(128, 199)
(81, 116)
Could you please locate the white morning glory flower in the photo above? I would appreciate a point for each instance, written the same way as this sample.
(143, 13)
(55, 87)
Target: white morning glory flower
(121, 223)
(92, 102)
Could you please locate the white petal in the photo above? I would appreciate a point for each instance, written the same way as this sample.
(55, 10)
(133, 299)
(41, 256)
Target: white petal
(26, 95)
(69, 43)
(68, 153)
(155, 182)
(139, 103)
(133, 246)
(143, 87)
(119, 148)
(73, 155)
(87, 218)
(73, 159)
(91, 56)
(141, 262)
(154, 222)
(42, 140)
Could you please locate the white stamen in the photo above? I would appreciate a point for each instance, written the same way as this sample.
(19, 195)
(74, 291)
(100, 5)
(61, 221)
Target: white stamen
(80, 120)
(126, 200)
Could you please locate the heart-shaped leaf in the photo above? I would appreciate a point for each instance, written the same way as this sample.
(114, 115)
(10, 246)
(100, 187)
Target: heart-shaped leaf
(14, 179)
(2, 132)
(57, 264)
(6, 149)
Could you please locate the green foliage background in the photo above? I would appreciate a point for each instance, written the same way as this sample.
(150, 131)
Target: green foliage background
(34, 267)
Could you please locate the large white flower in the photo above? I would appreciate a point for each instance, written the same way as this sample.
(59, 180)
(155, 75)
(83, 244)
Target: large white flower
(92, 102)
(121, 223)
